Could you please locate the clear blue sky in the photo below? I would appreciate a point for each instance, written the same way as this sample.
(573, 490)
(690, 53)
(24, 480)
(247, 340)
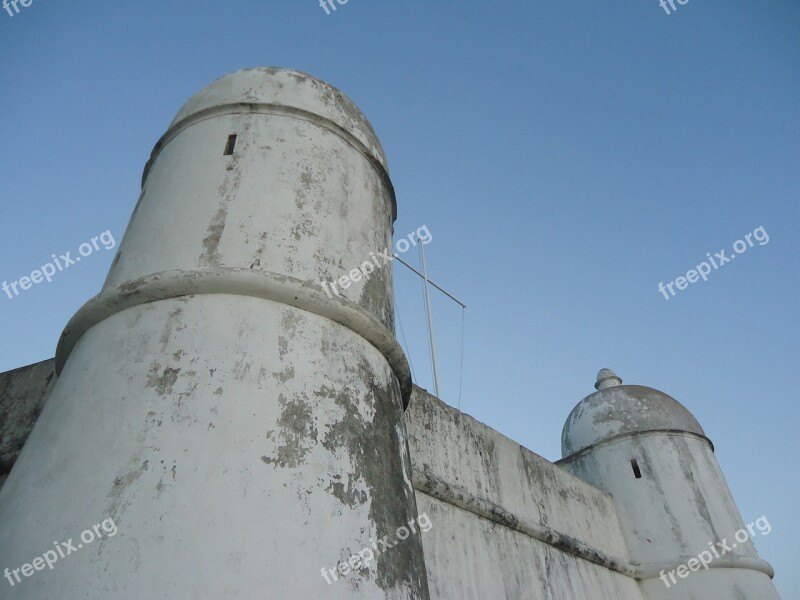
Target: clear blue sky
(566, 157)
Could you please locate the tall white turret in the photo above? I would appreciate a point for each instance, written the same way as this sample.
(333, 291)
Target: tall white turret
(675, 509)
(242, 428)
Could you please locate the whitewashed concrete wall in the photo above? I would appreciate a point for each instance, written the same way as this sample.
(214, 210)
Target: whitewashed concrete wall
(243, 429)
(678, 507)
(491, 503)
(472, 558)
(506, 522)
(23, 393)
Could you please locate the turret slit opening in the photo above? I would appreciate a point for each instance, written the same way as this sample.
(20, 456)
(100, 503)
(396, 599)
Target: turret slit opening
(230, 145)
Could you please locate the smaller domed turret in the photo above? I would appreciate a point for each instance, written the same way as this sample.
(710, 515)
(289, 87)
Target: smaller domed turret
(649, 452)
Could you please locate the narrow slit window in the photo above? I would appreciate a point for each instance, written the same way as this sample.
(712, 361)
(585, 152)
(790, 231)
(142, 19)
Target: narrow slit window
(636, 470)
(230, 145)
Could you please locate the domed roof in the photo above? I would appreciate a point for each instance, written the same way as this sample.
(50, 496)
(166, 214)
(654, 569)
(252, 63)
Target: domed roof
(617, 409)
(299, 93)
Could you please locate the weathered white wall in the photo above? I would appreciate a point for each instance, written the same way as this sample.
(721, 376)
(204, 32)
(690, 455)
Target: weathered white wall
(733, 584)
(472, 558)
(680, 503)
(490, 501)
(679, 507)
(196, 484)
(23, 393)
(242, 429)
(506, 522)
(671, 514)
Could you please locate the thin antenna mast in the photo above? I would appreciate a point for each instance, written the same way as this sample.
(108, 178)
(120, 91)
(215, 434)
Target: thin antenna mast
(429, 314)
(431, 336)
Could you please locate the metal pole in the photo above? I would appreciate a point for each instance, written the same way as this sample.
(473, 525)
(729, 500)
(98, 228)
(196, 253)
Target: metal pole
(430, 323)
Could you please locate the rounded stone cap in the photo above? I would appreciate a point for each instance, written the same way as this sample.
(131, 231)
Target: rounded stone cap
(621, 409)
(606, 378)
(291, 90)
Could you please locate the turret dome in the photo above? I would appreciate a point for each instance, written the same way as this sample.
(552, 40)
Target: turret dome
(615, 410)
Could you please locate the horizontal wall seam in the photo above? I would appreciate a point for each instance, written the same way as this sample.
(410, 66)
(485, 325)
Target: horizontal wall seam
(629, 435)
(457, 496)
(266, 285)
(461, 498)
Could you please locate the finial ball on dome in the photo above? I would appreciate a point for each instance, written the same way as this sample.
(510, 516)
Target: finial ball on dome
(606, 378)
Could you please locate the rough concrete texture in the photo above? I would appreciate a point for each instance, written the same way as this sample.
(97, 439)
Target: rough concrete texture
(679, 505)
(510, 524)
(260, 498)
(510, 520)
(623, 409)
(474, 558)
(242, 430)
(533, 532)
(280, 87)
(299, 196)
(452, 447)
(23, 393)
(646, 450)
(725, 584)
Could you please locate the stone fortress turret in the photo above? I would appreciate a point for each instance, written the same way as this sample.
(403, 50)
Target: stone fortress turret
(649, 452)
(241, 426)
